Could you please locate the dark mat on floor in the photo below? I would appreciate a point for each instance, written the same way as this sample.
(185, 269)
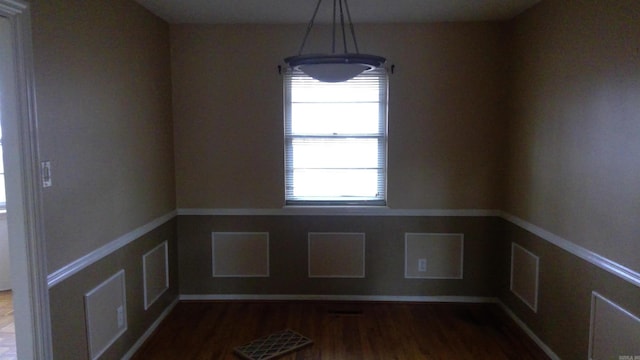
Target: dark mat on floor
(272, 346)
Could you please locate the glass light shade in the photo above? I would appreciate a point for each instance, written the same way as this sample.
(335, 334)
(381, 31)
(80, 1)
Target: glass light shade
(335, 67)
(333, 72)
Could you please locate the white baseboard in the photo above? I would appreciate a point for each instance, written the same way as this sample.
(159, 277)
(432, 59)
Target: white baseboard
(294, 297)
(150, 331)
(528, 331)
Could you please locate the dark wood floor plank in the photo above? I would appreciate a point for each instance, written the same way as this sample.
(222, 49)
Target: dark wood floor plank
(210, 330)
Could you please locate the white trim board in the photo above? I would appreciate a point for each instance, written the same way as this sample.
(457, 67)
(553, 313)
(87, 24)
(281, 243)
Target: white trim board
(294, 297)
(77, 265)
(528, 331)
(339, 211)
(23, 187)
(593, 328)
(598, 260)
(536, 258)
(164, 246)
(147, 334)
(88, 312)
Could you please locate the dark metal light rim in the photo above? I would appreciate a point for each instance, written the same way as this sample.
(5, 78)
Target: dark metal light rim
(372, 61)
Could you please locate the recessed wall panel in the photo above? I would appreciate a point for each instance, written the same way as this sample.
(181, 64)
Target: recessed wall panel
(336, 255)
(524, 275)
(614, 331)
(155, 268)
(240, 254)
(434, 256)
(106, 314)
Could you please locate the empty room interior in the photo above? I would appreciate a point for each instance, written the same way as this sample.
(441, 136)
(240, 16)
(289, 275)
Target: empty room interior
(510, 177)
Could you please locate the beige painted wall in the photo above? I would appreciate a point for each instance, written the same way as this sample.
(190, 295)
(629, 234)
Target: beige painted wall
(574, 154)
(104, 110)
(446, 106)
(103, 87)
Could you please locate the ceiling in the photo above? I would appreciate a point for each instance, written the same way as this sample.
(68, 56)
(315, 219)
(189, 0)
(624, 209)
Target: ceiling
(362, 11)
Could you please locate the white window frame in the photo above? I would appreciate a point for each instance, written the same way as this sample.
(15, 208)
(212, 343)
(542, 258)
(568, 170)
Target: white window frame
(380, 79)
(3, 201)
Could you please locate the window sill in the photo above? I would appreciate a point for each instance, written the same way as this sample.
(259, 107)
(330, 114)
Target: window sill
(364, 210)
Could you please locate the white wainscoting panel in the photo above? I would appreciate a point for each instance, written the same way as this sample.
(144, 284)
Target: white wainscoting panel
(524, 275)
(614, 332)
(433, 255)
(106, 314)
(155, 269)
(240, 254)
(336, 255)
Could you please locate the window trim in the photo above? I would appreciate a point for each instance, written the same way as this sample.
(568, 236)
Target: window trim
(3, 204)
(383, 138)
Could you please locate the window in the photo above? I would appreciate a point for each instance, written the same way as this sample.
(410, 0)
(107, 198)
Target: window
(336, 140)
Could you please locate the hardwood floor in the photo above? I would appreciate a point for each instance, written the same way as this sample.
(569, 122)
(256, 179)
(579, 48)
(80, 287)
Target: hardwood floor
(210, 330)
(7, 328)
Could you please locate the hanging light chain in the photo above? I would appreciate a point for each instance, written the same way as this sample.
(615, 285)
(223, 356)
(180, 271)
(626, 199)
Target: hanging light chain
(334, 22)
(309, 26)
(333, 29)
(353, 32)
(344, 35)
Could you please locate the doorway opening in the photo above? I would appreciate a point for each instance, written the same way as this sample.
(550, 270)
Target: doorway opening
(7, 321)
(28, 279)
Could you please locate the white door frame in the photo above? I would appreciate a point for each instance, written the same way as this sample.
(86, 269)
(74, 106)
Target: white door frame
(24, 198)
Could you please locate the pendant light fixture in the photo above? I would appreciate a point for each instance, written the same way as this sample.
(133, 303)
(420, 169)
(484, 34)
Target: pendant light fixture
(334, 67)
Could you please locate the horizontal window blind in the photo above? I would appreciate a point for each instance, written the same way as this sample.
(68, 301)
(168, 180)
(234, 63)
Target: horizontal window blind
(336, 140)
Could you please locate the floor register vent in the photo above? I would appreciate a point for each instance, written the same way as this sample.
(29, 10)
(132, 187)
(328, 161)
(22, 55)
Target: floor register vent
(272, 346)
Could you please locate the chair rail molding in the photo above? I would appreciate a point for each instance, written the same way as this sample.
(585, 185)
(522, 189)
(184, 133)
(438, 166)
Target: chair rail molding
(79, 264)
(598, 260)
